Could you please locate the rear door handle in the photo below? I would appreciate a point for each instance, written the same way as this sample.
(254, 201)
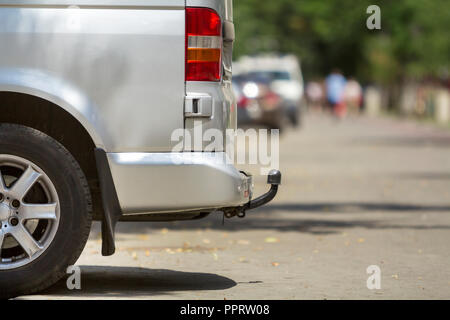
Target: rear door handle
(198, 105)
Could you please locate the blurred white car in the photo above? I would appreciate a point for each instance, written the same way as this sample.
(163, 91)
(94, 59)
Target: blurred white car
(284, 74)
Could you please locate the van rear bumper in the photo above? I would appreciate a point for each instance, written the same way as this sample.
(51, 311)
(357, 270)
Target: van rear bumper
(174, 182)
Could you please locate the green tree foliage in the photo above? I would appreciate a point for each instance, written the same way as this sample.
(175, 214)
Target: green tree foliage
(413, 41)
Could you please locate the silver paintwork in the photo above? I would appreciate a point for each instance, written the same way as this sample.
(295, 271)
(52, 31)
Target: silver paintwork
(119, 68)
(97, 3)
(120, 72)
(26, 212)
(223, 110)
(193, 181)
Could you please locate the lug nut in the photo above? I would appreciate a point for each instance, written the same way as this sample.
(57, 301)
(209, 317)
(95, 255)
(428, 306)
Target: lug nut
(14, 222)
(16, 203)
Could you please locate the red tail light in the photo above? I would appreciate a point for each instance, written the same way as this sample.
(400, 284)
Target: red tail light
(203, 45)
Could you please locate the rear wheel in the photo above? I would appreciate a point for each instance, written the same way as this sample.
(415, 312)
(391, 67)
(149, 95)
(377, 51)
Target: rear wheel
(45, 210)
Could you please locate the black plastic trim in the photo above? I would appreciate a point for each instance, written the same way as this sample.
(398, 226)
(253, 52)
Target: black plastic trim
(228, 31)
(111, 206)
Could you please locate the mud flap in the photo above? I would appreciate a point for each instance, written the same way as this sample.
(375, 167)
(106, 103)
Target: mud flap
(111, 207)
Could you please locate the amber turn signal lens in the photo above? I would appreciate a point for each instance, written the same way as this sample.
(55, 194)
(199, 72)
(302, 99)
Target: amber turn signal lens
(201, 54)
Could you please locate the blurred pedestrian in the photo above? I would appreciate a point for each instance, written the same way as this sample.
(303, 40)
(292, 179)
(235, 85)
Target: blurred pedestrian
(353, 96)
(315, 95)
(335, 85)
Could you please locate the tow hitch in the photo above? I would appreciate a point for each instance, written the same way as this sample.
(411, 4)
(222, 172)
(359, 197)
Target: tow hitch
(274, 179)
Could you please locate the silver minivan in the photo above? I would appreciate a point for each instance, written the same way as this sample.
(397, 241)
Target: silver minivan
(92, 96)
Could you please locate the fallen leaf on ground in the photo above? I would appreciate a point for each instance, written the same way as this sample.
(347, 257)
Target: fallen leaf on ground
(243, 242)
(361, 240)
(271, 240)
(275, 264)
(206, 241)
(147, 253)
(143, 237)
(395, 276)
(164, 230)
(134, 255)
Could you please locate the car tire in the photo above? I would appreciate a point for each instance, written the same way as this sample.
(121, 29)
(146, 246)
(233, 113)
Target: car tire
(58, 217)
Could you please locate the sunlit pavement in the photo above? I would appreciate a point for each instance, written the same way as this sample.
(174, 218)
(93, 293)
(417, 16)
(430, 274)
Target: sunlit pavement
(355, 193)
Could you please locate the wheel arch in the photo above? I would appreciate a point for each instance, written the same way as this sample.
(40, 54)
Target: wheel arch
(54, 120)
(60, 93)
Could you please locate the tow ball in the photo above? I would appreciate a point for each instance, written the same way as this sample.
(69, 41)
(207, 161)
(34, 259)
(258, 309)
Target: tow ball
(274, 179)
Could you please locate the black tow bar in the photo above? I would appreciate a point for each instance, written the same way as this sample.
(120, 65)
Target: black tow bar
(274, 179)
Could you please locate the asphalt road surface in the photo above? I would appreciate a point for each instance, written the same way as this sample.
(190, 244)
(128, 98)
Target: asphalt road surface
(355, 193)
